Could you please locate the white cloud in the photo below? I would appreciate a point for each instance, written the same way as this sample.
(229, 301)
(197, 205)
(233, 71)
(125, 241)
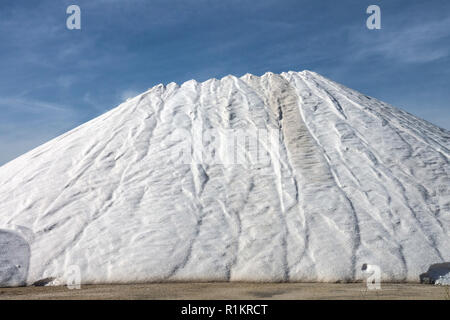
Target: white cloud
(30, 123)
(29, 105)
(424, 42)
(127, 94)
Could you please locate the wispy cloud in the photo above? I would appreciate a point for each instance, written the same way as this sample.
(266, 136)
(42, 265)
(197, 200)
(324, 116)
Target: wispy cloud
(406, 42)
(127, 94)
(27, 123)
(29, 105)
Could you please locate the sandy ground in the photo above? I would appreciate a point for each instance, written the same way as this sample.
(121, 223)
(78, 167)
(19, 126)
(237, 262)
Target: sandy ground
(247, 291)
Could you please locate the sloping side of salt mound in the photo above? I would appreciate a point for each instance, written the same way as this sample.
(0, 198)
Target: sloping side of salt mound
(14, 259)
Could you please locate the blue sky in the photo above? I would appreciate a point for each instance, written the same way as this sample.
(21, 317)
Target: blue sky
(53, 79)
